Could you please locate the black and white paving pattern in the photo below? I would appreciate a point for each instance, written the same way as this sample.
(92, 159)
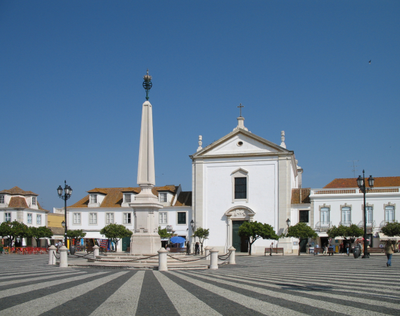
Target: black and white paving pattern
(256, 285)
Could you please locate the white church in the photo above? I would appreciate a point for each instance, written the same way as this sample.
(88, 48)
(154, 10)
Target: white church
(242, 177)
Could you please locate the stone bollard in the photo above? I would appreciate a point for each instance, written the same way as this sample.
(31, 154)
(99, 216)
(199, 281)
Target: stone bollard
(214, 260)
(207, 252)
(63, 257)
(96, 251)
(52, 256)
(162, 259)
(232, 259)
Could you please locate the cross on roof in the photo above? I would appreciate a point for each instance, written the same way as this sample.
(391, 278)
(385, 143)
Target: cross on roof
(240, 107)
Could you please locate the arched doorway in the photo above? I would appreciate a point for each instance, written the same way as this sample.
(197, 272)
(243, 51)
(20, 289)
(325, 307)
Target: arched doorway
(236, 216)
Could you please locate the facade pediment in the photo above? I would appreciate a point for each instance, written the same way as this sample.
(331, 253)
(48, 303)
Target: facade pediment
(241, 142)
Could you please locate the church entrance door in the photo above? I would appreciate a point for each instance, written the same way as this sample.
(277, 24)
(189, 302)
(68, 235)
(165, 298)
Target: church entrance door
(239, 243)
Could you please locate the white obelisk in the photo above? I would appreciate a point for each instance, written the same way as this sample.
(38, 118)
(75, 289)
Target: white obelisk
(145, 238)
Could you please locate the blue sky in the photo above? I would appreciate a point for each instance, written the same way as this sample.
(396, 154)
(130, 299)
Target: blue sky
(71, 87)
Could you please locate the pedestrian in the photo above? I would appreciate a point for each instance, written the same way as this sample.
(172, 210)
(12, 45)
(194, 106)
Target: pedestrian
(389, 249)
(188, 247)
(270, 248)
(197, 248)
(348, 249)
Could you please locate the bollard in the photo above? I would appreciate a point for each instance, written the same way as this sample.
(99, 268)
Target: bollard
(214, 260)
(52, 257)
(207, 252)
(63, 257)
(96, 251)
(232, 256)
(162, 259)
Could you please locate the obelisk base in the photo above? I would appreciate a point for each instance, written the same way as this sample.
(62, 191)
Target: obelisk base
(145, 244)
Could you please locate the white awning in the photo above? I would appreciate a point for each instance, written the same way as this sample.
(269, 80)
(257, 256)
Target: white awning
(382, 236)
(322, 234)
(94, 235)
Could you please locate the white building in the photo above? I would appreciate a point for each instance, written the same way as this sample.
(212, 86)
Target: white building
(242, 177)
(103, 206)
(22, 206)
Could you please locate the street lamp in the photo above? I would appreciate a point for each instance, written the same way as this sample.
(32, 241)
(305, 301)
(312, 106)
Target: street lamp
(65, 195)
(364, 189)
(288, 223)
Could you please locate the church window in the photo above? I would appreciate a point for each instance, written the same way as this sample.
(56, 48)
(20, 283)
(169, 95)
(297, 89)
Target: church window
(181, 217)
(162, 218)
(304, 217)
(346, 216)
(127, 218)
(389, 214)
(240, 143)
(241, 188)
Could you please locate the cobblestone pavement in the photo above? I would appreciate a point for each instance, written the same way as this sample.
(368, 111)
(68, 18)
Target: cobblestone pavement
(257, 285)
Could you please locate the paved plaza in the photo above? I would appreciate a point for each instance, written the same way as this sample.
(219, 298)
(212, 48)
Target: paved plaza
(257, 285)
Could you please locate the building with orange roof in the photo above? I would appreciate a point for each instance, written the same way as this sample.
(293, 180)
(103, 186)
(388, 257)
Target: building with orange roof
(22, 206)
(103, 206)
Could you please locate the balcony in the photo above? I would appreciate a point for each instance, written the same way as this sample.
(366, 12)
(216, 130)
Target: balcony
(323, 226)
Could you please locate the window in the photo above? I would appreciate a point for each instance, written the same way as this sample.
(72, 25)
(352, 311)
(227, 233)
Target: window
(163, 197)
(162, 218)
(92, 218)
(29, 218)
(325, 216)
(76, 218)
(33, 200)
(389, 213)
(303, 216)
(38, 219)
(127, 218)
(369, 210)
(7, 217)
(109, 218)
(181, 217)
(346, 216)
(127, 197)
(1, 199)
(240, 188)
(93, 198)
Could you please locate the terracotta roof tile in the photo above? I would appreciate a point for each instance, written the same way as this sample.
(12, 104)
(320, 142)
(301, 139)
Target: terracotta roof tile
(17, 191)
(352, 182)
(18, 202)
(305, 196)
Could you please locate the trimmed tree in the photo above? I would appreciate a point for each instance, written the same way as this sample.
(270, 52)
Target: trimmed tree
(301, 230)
(351, 231)
(391, 229)
(115, 233)
(202, 234)
(40, 232)
(164, 233)
(13, 230)
(255, 230)
(75, 234)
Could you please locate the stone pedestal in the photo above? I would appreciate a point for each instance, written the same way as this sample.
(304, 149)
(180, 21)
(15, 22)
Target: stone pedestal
(96, 251)
(214, 259)
(63, 257)
(162, 260)
(232, 257)
(52, 256)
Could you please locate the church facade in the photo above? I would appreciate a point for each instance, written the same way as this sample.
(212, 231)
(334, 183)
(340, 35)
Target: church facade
(242, 177)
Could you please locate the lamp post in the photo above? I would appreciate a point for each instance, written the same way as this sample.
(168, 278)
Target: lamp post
(364, 189)
(65, 194)
(288, 223)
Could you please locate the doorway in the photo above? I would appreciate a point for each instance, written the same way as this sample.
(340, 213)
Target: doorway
(239, 243)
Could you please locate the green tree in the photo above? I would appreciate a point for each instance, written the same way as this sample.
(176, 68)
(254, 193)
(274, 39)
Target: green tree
(301, 230)
(352, 231)
(164, 233)
(255, 230)
(391, 229)
(115, 233)
(202, 234)
(40, 232)
(13, 230)
(75, 234)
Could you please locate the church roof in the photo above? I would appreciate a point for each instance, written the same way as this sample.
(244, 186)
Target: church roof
(114, 196)
(18, 191)
(381, 182)
(301, 196)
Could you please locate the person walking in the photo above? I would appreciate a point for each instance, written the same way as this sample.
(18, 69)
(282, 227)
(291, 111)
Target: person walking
(270, 248)
(197, 248)
(389, 249)
(188, 247)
